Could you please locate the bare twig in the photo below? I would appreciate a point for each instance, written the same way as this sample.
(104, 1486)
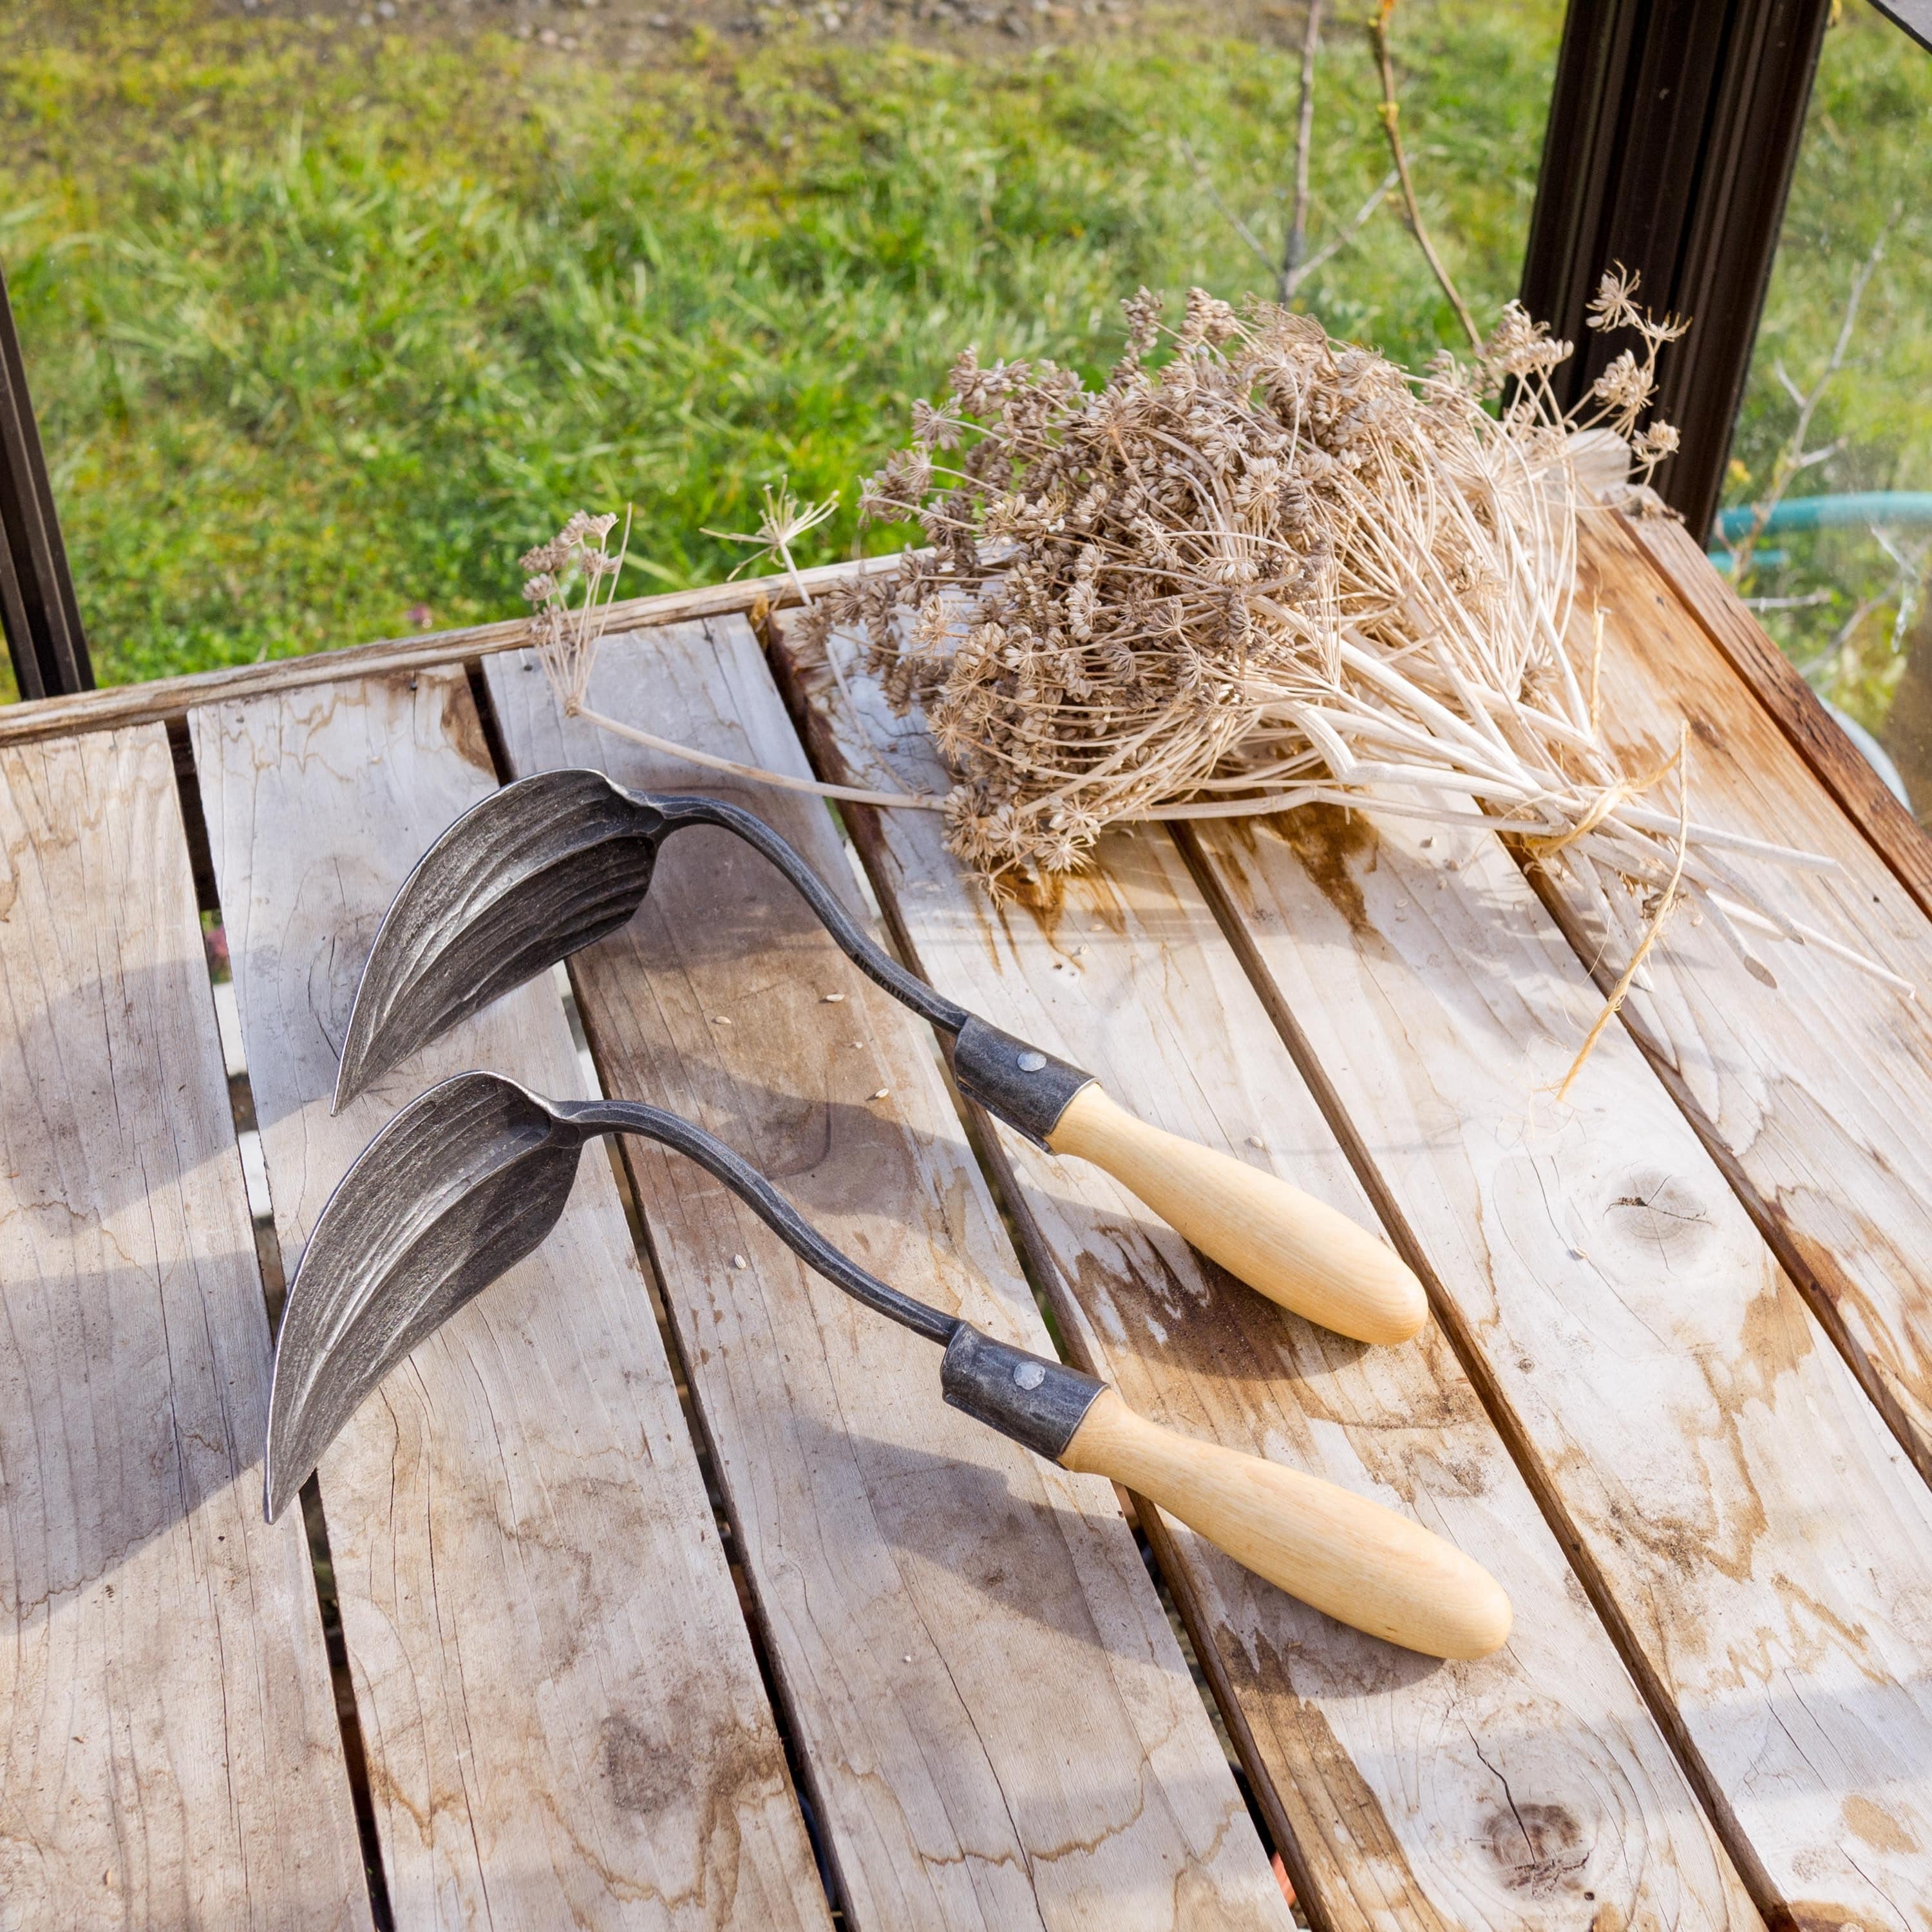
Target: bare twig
(1836, 653)
(1810, 601)
(1793, 458)
(1344, 235)
(1296, 264)
(1296, 247)
(1391, 110)
(1909, 562)
(1234, 220)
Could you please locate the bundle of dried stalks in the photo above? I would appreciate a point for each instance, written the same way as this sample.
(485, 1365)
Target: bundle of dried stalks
(1279, 567)
(1277, 570)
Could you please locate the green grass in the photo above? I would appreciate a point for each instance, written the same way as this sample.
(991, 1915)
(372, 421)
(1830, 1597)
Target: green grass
(325, 326)
(1864, 169)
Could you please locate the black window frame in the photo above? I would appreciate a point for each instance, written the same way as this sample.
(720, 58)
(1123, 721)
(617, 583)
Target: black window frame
(37, 606)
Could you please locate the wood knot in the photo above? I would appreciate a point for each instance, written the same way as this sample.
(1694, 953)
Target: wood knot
(1539, 1848)
(1659, 1213)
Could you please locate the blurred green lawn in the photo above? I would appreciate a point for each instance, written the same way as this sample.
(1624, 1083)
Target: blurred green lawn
(326, 325)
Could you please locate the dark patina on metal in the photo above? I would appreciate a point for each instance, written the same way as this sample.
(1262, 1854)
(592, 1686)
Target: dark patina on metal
(1039, 1403)
(468, 1180)
(1027, 1089)
(534, 873)
(554, 863)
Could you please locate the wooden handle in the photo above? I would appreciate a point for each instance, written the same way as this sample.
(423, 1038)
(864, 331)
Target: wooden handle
(1296, 1250)
(1360, 1563)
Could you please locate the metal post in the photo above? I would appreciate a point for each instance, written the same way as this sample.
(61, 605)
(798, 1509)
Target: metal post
(37, 600)
(1673, 130)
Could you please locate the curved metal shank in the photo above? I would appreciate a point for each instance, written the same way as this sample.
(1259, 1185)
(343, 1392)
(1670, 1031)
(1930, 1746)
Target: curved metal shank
(853, 940)
(467, 1180)
(1038, 1403)
(632, 1117)
(535, 872)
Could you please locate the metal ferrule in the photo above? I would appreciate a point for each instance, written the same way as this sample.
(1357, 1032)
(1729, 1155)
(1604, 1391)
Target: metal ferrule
(1016, 1083)
(1040, 1403)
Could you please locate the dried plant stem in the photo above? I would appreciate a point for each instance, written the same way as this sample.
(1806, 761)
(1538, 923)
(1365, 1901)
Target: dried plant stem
(781, 780)
(1620, 990)
(1391, 110)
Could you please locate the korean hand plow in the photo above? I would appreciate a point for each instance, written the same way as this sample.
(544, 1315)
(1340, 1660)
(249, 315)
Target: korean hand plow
(558, 861)
(470, 1177)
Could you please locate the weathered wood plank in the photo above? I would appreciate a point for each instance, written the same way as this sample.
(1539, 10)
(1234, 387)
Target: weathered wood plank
(564, 1718)
(388, 657)
(1814, 1096)
(1532, 1789)
(171, 1755)
(1737, 1504)
(986, 1692)
(1779, 688)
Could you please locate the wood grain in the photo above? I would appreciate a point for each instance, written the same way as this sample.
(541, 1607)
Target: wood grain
(1813, 1096)
(171, 1755)
(562, 1713)
(1530, 1789)
(991, 1708)
(1738, 1508)
(1779, 690)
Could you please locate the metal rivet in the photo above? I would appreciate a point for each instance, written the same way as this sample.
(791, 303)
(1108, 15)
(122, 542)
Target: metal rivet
(1031, 1062)
(1029, 1374)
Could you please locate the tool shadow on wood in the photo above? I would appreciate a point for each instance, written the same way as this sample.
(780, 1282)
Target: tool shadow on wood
(1326, 1733)
(533, 1594)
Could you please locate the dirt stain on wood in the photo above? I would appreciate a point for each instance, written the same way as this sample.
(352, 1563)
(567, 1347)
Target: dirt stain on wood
(1334, 845)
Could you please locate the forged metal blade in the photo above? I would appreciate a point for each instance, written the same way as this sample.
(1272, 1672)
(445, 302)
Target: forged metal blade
(535, 872)
(459, 1187)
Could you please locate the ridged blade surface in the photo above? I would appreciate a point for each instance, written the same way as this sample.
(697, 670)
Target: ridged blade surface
(532, 873)
(459, 1187)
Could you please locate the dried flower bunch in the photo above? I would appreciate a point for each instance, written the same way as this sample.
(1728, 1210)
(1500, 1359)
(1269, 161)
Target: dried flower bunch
(1276, 570)
(1185, 585)
(576, 562)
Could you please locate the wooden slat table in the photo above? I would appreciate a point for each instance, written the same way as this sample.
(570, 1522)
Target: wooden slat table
(659, 1590)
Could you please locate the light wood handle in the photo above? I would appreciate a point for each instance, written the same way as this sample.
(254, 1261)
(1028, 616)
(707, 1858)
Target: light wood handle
(1296, 1250)
(1362, 1563)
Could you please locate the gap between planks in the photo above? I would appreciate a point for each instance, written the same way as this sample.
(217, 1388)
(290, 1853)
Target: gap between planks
(611, 1150)
(977, 1663)
(274, 1289)
(1400, 1789)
